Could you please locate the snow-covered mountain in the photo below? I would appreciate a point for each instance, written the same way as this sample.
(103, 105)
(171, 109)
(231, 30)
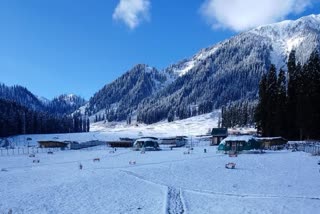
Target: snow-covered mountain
(66, 104)
(302, 35)
(120, 98)
(21, 96)
(226, 72)
(63, 104)
(231, 70)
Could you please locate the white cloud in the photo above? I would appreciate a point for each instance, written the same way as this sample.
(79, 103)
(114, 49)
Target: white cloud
(132, 12)
(241, 15)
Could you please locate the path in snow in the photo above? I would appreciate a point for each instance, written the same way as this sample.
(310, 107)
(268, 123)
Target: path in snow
(174, 201)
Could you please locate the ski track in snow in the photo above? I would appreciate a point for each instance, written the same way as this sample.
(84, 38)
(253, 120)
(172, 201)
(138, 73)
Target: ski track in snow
(175, 203)
(173, 199)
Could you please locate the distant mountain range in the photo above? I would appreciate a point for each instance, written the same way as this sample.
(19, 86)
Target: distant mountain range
(61, 105)
(229, 71)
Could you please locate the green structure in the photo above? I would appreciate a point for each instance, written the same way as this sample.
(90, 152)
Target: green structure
(239, 143)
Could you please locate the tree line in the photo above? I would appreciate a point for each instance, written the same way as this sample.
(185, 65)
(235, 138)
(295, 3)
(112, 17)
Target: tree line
(289, 104)
(16, 119)
(238, 114)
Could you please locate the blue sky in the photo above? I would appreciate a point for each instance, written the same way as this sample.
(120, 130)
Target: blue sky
(77, 46)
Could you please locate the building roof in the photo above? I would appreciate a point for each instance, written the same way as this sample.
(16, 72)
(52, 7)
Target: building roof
(153, 138)
(245, 138)
(52, 141)
(145, 139)
(272, 138)
(219, 132)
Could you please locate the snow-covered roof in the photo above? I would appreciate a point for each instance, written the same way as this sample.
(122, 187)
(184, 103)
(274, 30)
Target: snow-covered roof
(146, 139)
(245, 138)
(271, 138)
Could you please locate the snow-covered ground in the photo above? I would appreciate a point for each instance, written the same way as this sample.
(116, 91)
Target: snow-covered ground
(160, 182)
(166, 181)
(197, 125)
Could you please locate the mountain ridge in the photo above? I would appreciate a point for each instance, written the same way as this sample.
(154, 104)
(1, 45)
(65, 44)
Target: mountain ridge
(229, 70)
(63, 104)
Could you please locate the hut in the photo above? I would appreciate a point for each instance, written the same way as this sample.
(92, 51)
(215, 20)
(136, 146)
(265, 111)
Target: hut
(218, 134)
(177, 141)
(269, 142)
(121, 143)
(76, 145)
(146, 143)
(52, 144)
(239, 143)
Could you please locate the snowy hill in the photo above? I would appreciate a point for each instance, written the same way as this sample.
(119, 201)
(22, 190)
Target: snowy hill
(231, 70)
(21, 96)
(226, 72)
(63, 104)
(66, 104)
(120, 98)
(301, 35)
(193, 126)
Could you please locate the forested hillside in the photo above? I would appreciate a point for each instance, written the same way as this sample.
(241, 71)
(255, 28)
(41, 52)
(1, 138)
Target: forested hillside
(290, 106)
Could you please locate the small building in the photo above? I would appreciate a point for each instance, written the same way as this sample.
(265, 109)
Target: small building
(239, 143)
(146, 143)
(218, 134)
(76, 145)
(127, 139)
(52, 144)
(177, 141)
(268, 142)
(121, 143)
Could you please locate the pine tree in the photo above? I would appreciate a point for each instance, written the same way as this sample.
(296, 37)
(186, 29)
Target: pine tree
(272, 92)
(88, 125)
(261, 110)
(292, 96)
(281, 104)
(314, 95)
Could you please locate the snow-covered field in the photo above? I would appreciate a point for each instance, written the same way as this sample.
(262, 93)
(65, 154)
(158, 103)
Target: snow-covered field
(166, 181)
(160, 182)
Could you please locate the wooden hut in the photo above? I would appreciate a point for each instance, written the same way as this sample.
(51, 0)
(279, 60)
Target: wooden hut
(52, 144)
(218, 134)
(76, 145)
(269, 142)
(177, 141)
(120, 143)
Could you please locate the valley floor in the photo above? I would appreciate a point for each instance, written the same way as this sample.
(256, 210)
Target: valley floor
(166, 181)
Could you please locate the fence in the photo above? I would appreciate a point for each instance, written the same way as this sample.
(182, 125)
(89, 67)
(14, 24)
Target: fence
(35, 150)
(26, 150)
(309, 147)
